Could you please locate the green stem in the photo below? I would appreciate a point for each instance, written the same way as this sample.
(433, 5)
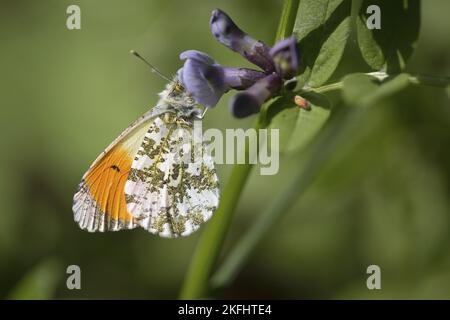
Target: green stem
(287, 20)
(329, 87)
(196, 282)
(208, 249)
(432, 81)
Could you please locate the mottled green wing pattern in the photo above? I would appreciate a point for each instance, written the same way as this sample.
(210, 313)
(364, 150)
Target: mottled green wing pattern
(172, 187)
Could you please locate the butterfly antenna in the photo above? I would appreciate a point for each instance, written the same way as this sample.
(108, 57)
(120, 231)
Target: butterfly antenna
(154, 69)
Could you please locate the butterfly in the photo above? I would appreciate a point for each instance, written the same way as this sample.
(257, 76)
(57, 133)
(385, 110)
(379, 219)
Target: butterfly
(156, 175)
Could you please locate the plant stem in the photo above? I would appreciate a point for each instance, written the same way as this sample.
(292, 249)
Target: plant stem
(208, 249)
(329, 87)
(196, 282)
(287, 19)
(432, 81)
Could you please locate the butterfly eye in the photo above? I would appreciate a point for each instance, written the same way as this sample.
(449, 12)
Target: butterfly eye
(190, 100)
(179, 87)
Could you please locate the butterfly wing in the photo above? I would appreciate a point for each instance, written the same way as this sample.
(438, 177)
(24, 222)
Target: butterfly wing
(172, 187)
(99, 203)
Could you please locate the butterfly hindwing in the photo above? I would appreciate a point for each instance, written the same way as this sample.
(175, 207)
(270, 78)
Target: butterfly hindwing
(172, 186)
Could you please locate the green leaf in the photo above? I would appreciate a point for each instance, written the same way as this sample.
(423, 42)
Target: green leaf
(365, 90)
(39, 283)
(322, 28)
(357, 86)
(297, 126)
(389, 47)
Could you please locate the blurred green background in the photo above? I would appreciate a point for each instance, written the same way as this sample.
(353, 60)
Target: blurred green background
(383, 197)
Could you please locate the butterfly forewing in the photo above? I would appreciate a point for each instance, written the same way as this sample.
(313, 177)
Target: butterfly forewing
(99, 203)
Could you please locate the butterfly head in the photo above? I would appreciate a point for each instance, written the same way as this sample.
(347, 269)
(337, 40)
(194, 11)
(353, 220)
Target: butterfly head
(176, 97)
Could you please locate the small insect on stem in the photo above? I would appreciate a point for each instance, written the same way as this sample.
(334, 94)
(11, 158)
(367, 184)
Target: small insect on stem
(302, 103)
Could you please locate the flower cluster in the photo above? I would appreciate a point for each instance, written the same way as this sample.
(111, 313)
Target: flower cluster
(207, 80)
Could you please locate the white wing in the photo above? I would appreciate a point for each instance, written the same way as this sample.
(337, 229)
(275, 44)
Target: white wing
(172, 187)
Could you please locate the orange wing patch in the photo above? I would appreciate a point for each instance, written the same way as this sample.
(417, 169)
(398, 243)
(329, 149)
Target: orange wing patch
(100, 202)
(106, 183)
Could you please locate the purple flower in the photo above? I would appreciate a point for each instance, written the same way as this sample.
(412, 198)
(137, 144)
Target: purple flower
(227, 33)
(207, 81)
(249, 101)
(286, 57)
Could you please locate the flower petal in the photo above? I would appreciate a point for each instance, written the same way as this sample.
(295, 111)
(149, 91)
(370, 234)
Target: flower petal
(241, 78)
(227, 33)
(207, 81)
(203, 81)
(197, 55)
(286, 57)
(249, 101)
